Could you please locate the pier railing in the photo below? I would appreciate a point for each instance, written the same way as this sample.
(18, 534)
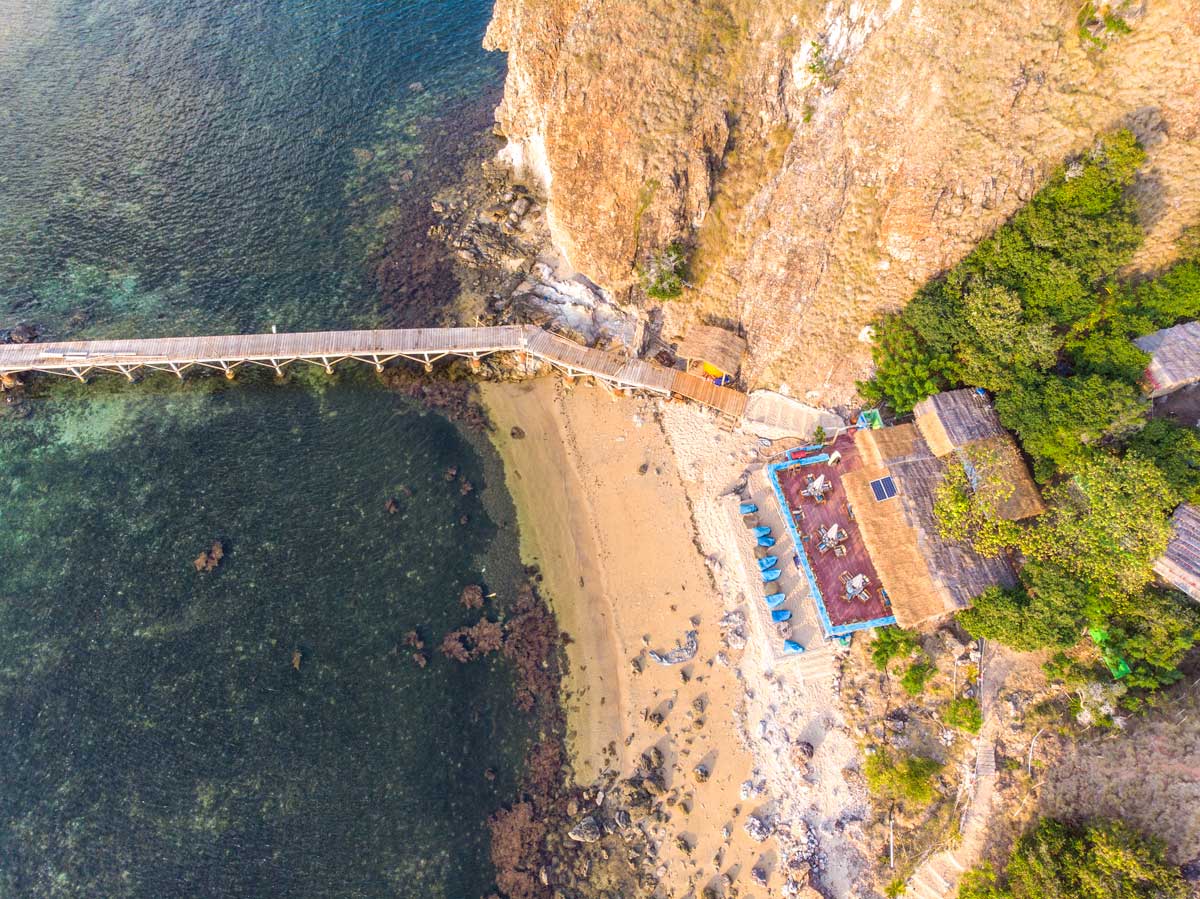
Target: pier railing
(425, 346)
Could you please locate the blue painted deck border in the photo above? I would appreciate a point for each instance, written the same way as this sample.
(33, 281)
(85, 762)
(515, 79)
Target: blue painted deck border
(826, 625)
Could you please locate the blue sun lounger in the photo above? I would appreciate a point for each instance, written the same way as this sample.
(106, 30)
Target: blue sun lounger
(767, 562)
(792, 647)
(781, 615)
(768, 542)
(747, 508)
(771, 575)
(761, 531)
(775, 599)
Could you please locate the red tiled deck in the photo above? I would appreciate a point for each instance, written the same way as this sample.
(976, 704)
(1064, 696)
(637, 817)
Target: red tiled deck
(826, 566)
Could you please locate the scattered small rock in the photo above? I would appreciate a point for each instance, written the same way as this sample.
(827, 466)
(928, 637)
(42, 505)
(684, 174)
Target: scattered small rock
(517, 433)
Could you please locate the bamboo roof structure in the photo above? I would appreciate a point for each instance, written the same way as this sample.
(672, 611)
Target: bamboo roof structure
(926, 575)
(1179, 566)
(1174, 358)
(718, 347)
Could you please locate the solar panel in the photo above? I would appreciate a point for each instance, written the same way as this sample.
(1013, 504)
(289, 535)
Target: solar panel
(884, 488)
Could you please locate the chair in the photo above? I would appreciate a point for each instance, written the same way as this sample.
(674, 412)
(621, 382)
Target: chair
(839, 551)
(823, 548)
(844, 577)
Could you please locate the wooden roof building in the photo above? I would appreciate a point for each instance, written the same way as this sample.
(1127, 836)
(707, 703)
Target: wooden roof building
(1174, 358)
(964, 422)
(718, 350)
(892, 494)
(1179, 566)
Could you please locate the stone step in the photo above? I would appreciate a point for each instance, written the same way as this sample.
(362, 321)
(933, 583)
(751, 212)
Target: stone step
(952, 861)
(985, 761)
(920, 886)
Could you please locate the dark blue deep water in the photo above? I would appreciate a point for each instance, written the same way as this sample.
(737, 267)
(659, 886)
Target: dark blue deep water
(199, 166)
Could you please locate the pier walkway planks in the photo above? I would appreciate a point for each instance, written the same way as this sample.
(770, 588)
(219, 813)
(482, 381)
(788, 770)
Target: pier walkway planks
(327, 348)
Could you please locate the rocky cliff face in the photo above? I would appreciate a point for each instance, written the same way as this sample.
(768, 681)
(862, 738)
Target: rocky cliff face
(825, 158)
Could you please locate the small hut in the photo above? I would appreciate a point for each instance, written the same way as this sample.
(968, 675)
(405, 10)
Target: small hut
(1179, 566)
(955, 418)
(1174, 358)
(717, 352)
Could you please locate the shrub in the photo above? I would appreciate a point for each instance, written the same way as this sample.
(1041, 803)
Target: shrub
(964, 713)
(891, 642)
(905, 779)
(664, 272)
(916, 677)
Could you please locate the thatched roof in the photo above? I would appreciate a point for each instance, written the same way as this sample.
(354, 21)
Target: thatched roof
(950, 420)
(1174, 357)
(1001, 467)
(716, 346)
(886, 445)
(1179, 566)
(925, 575)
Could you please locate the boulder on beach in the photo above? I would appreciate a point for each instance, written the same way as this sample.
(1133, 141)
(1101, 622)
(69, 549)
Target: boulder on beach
(472, 596)
(586, 831)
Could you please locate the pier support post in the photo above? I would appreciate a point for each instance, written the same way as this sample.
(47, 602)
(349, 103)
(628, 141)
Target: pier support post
(378, 365)
(228, 369)
(278, 368)
(175, 368)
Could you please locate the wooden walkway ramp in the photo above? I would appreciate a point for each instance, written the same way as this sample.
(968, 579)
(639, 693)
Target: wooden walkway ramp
(226, 353)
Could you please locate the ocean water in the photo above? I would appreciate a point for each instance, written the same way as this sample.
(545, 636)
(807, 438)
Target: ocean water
(207, 165)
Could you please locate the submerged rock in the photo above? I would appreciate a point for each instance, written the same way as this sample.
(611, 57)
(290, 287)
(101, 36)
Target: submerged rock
(210, 558)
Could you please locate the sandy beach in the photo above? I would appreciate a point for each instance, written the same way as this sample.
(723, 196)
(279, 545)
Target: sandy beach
(623, 504)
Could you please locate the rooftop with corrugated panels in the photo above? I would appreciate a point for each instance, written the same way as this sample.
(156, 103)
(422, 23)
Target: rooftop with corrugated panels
(809, 516)
(1180, 564)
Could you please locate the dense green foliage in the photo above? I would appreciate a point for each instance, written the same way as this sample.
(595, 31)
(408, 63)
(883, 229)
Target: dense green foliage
(904, 779)
(1175, 450)
(1035, 316)
(964, 713)
(1100, 861)
(891, 643)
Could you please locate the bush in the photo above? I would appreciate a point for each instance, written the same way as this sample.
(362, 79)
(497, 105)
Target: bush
(891, 642)
(906, 779)
(1099, 861)
(664, 273)
(964, 713)
(915, 678)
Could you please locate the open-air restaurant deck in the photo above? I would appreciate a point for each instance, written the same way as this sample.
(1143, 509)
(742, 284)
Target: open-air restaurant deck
(827, 546)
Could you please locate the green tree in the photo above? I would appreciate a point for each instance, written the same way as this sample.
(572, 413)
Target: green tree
(1175, 450)
(1059, 418)
(1105, 525)
(999, 342)
(1024, 622)
(968, 509)
(1153, 631)
(664, 272)
(1106, 860)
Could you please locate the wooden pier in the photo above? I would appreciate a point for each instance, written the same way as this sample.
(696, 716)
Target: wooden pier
(425, 346)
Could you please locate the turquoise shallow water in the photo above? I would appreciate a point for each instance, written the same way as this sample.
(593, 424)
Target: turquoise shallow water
(204, 166)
